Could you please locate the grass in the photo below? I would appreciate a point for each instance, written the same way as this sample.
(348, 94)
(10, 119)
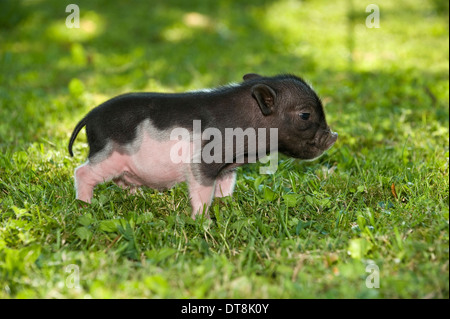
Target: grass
(380, 195)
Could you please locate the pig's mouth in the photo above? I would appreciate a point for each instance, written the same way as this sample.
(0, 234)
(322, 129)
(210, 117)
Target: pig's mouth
(310, 150)
(321, 144)
(329, 141)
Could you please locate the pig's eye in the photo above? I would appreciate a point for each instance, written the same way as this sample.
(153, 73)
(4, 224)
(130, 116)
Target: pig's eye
(304, 116)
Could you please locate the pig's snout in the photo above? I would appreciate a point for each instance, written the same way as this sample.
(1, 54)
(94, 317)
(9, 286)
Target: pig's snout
(332, 138)
(326, 139)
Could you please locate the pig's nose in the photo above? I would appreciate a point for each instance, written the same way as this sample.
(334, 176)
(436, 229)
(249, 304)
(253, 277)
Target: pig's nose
(334, 136)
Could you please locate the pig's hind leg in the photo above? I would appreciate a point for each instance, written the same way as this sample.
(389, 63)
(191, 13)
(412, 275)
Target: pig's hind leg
(85, 181)
(88, 175)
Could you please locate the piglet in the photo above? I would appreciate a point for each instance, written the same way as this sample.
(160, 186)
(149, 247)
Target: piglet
(199, 137)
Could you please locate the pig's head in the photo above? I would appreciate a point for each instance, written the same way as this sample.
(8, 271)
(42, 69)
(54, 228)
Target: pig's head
(290, 104)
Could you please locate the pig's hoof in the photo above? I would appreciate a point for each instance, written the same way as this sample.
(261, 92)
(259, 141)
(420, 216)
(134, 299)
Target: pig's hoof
(82, 204)
(200, 216)
(204, 221)
(135, 190)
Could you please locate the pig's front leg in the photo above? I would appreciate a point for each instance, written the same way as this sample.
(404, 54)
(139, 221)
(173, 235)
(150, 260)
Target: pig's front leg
(225, 184)
(201, 197)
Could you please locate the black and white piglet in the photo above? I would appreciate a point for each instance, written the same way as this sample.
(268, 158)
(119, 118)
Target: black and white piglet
(131, 137)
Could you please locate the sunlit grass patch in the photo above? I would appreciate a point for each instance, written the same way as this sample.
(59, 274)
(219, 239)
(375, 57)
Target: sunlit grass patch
(379, 196)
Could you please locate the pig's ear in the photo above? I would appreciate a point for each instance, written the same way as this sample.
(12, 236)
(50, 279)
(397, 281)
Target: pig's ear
(265, 96)
(251, 76)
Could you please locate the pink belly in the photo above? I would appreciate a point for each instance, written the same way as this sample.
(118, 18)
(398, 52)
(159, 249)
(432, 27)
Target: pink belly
(152, 165)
